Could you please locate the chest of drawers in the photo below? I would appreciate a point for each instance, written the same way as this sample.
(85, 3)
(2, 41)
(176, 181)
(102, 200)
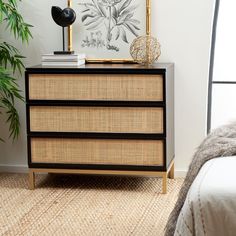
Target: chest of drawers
(101, 119)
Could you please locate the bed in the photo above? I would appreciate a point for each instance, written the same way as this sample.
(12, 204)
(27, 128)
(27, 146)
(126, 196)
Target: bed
(210, 205)
(207, 199)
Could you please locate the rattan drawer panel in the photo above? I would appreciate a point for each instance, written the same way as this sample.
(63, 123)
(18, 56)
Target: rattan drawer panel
(96, 87)
(96, 119)
(97, 151)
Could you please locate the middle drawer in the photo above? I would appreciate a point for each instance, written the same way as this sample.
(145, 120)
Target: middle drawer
(96, 119)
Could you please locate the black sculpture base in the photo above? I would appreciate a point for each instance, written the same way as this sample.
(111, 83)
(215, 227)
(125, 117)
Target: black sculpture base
(63, 52)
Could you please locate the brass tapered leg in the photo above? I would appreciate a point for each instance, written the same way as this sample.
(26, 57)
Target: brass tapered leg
(172, 172)
(164, 183)
(31, 179)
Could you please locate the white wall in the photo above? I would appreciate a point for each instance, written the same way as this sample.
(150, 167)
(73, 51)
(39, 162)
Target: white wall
(184, 30)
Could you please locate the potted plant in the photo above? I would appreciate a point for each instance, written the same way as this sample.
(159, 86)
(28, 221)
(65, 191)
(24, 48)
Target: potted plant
(11, 63)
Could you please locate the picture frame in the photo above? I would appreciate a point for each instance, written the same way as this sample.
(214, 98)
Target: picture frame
(110, 41)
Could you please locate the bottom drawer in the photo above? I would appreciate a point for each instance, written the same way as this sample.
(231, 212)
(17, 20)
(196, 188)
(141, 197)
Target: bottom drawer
(97, 151)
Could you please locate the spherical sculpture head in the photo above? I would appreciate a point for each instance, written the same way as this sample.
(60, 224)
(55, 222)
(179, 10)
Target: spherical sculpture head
(145, 50)
(64, 17)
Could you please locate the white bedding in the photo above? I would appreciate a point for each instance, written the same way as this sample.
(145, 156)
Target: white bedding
(210, 207)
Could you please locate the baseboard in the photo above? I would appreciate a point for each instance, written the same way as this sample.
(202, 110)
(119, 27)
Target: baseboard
(24, 169)
(13, 168)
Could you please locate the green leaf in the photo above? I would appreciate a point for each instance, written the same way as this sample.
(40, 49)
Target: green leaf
(8, 92)
(11, 58)
(15, 22)
(9, 55)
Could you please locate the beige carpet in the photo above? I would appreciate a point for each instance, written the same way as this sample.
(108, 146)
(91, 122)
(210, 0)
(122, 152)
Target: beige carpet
(84, 205)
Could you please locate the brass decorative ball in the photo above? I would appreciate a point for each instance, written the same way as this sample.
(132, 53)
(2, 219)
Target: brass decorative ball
(145, 50)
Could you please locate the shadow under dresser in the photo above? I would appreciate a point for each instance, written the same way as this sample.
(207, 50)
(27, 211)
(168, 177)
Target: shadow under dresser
(110, 119)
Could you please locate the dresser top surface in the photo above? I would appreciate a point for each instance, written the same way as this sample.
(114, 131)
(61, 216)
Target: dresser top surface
(97, 67)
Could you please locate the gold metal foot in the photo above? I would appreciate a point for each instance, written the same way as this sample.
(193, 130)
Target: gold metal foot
(31, 180)
(171, 174)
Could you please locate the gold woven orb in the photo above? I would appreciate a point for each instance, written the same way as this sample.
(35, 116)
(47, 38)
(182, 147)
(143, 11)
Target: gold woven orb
(145, 50)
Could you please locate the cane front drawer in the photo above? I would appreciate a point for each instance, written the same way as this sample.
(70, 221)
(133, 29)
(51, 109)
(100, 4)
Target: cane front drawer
(97, 151)
(96, 119)
(96, 87)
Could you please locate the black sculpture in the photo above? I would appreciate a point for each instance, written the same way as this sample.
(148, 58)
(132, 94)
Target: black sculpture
(64, 18)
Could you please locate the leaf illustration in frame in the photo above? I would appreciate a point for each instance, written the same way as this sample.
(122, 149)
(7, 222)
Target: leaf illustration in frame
(118, 21)
(92, 20)
(99, 8)
(90, 7)
(102, 10)
(114, 12)
(96, 24)
(131, 28)
(135, 22)
(123, 35)
(125, 17)
(135, 26)
(85, 10)
(125, 4)
(129, 9)
(84, 17)
(129, 16)
(117, 33)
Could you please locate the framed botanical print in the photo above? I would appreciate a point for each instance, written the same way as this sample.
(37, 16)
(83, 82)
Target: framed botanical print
(105, 29)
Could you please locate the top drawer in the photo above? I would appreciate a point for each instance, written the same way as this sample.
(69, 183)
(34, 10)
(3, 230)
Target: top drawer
(96, 87)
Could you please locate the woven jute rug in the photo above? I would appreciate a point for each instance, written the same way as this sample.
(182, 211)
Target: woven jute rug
(84, 205)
